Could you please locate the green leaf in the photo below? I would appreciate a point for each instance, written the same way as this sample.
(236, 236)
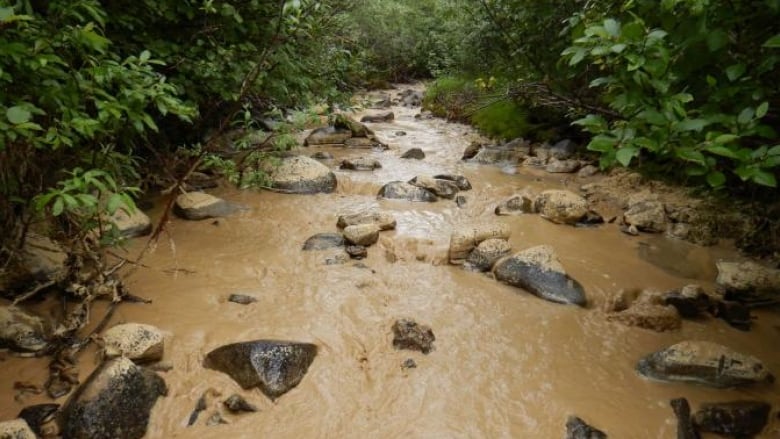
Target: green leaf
(618, 48)
(716, 179)
(624, 155)
(691, 125)
(144, 56)
(726, 138)
(18, 115)
(717, 39)
(114, 202)
(762, 109)
(653, 117)
(612, 27)
(722, 151)
(764, 178)
(735, 72)
(691, 155)
(773, 43)
(59, 205)
(745, 116)
(602, 144)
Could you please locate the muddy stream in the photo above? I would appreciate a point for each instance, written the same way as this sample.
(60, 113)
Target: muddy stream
(506, 364)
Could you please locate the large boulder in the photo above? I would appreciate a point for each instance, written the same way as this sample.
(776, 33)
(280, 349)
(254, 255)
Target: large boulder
(303, 175)
(737, 419)
(20, 331)
(16, 429)
(360, 164)
(466, 238)
(362, 234)
(379, 117)
(328, 136)
(561, 206)
(324, 241)
(199, 205)
(114, 403)
(748, 281)
(440, 187)
(401, 190)
(646, 213)
(538, 271)
(487, 253)
(273, 366)
(384, 221)
(705, 363)
(136, 341)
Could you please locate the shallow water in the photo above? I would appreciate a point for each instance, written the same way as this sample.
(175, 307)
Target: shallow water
(506, 364)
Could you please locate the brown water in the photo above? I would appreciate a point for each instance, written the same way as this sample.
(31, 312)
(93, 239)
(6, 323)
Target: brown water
(506, 364)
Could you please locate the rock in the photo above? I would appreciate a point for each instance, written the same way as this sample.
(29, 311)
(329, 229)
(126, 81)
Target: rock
(561, 206)
(41, 418)
(460, 181)
(273, 366)
(377, 118)
(400, 133)
(21, 331)
(460, 201)
(337, 257)
(467, 238)
(411, 98)
(587, 171)
(538, 271)
(198, 181)
(131, 223)
(736, 419)
(487, 253)
(556, 166)
(748, 282)
(690, 301)
(16, 429)
(441, 188)
(517, 205)
(362, 234)
(302, 175)
(357, 251)
(384, 221)
(114, 403)
(364, 143)
(357, 129)
(237, 404)
(592, 218)
(629, 230)
(705, 363)
(198, 205)
(322, 155)
(215, 419)
(646, 213)
(135, 341)
(534, 162)
(322, 241)
(41, 260)
(360, 164)
(735, 314)
(471, 150)
(682, 411)
(401, 190)
(512, 152)
(648, 311)
(542, 152)
(327, 136)
(409, 363)
(242, 299)
(413, 153)
(576, 428)
(563, 150)
(408, 334)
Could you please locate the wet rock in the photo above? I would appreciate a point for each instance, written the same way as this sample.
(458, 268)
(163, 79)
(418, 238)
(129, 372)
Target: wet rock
(135, 341)
(41, 260)
(322, 155)
(336, 257)
(556, 166)
(377, 118)
(462, 182)
(592, 218)
(512, 152)
(365, 143)
(237, 404)
(517, 205)
(690, 301)
(735, 314)
(748, 282)
(21, 331)
(705, 363)
(303, 175)
(198, 181)
(242, 299)
(41, 418)
(460, 201)
(362, 234)
(411, 98)
(408, 334)
(471, 150)
(323, 241)
(356, 128)
(409, 363)
(198, 205)
(682, 411)
(646, 213)
(587, 171)
(327, 136)
(413, 153)
(273, 366)
(563, 150)
(561, 206)
(647, 311)
(736, 419)
(16, 429)
(114, 403)
(441, 188)
(384, 221)
(360, 164)
(401, 190)
(534, 162)
(215, 419)
(487, 253)
(576, 428)
(538, 271)
(629, 230)
(357, 251)
(131, 223)
(466, 238)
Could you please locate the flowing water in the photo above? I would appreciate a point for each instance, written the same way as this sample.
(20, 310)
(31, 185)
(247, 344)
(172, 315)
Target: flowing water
(506, 364)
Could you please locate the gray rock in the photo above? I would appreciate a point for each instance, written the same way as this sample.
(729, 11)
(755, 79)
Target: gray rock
(413, 153)
(384, 221)
(322, 241)
(462, 182)
(198, 206)
(576, 428)
(705, 363)
(328, 136)
(556, 166)
(513, 153)
(41, 418)
(561, 206)
(365, 143)
(682, 411)
(460, 201)
(587, 171)
(534, 162)
(302, 175)
(242, 299)
(357, 251)
(411, 98)
(21, 331)
(336, 257)
(114, 403)
(737, 419)
(466, 238)
(135, 341)
(377, 118)
(471, 150)
(563, 150)
(441, 188)
(322, 155)
(487, 253)
(517, 205)
(748, 282)
(408, 334)
(356, 128)
(401, 190)
(130, 223)
(360, 164)
(362, 234)
(16, 429)
(409, 363)
(237, 404)
(273, 366)
(538, 271)
(646, 213)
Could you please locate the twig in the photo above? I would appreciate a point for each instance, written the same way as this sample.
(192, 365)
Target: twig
(34, 291)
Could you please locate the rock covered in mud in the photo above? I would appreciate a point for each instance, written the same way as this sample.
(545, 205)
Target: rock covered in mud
(199, 205)
(362, 234)
(556, 166)
(647, 311)
(440, 187)
(460, 181)
(561, 206)
(538, 271)
(135, 341)
(131, 223)
(387, 116)
(705, 363)
(401, 190)
(466, 238)
(384, 221)
(328, 136)
(302, 175)
(487, 253)
(646, 213)
(408, 334)
(360, 164)
(114, 403)
(413, 153)
(576, 428)
(21, 331)
(748, 281)
(273, 366)
(324, 241)
(736, 419)
(517, 205)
